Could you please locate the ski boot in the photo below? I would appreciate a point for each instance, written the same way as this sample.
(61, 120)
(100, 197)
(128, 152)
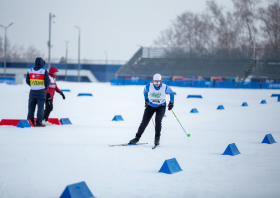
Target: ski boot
(134, 141)
(156, 141)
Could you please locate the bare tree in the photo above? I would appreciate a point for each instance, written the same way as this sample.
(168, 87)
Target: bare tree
(270, 26)
(189, 30)
(194, 31)
(31, 53)
(227, 28)
(167, 38)
(19, 53)
(246, 12)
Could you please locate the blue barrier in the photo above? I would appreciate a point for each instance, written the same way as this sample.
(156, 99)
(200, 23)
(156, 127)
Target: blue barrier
(170, 166)
(102, 72)
(135, 82)
(270, 85)
(163, 81)
(65, 121)
(194, 110)
(249, 85)
(23, 124)
(65, 90)
(268, 139)
(275, 95)
(182, 83)
(203, 84)
(78, 190)
(84, 94)
(117, 81)
(8, 80)
(194, 96)
(231, 150)
(225, 84)
(220, 107)
(118, 118)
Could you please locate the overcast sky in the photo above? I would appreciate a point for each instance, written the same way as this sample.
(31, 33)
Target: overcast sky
(112, 26)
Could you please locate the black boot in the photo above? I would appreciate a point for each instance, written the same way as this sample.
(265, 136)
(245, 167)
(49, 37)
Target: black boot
(156, 141)
(134, 141)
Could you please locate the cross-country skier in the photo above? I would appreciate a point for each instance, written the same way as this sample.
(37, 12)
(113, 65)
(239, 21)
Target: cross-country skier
(50, 94)
(38, 80)
(154, 94)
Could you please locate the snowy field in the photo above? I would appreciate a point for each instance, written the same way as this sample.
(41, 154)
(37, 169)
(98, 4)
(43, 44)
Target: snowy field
(41, 162)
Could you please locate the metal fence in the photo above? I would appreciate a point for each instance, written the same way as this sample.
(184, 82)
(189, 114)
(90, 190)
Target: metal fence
(214, 53)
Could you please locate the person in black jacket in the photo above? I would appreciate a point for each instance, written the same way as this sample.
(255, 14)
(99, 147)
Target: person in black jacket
(38, 80)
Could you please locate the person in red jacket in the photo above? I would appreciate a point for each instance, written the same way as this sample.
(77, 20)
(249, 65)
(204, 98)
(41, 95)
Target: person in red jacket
(50, 94)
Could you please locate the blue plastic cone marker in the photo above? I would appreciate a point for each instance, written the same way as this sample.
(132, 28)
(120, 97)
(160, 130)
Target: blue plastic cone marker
(263, 102)
(244, 104)
(84, 94)
(65, 121)
(78, 190)
(23, 124)
(231, 150)
(194, 110)
(275, 95)
(118, 118)
(220, 107)
(268, 139)
(194, 96)
(65, 90)
(170, 166)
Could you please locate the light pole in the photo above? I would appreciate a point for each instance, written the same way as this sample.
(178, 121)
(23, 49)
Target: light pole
(79, 53)
(5, 48)
(106, 56)
(49, 43)
(66, 60)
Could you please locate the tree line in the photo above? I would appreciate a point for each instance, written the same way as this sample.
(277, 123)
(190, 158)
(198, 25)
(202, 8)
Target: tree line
(18, 53)
(247, 25)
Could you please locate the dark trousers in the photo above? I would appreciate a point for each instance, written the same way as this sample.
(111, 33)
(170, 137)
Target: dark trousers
(31, 110)
(49, 108)
(148, 114)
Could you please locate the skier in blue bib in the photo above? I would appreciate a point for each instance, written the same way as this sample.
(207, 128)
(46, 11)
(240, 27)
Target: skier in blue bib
(154, 93)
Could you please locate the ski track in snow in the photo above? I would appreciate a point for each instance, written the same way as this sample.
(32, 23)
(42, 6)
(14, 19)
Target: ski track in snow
(40, 162)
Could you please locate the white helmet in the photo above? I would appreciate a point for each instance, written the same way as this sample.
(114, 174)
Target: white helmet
(157, 77)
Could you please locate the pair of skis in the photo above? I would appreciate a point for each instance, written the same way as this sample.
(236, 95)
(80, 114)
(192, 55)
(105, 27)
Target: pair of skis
(155, 146)
(112, 145)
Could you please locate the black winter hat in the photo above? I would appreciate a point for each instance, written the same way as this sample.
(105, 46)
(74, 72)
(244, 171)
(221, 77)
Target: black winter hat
(39, 62)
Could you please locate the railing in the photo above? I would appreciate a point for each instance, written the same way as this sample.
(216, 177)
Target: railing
(69, 61)
(189, 53)
(136, 57)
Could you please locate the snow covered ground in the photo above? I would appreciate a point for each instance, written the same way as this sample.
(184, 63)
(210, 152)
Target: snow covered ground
(40, 162)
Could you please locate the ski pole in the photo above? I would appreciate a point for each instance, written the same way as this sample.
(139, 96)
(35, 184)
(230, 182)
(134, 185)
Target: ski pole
(153, 122)
(180, 124)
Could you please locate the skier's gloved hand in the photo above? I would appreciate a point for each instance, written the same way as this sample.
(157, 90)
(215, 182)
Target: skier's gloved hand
(63, 96)
(49, 96)
(170, 105)
(146, 102)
